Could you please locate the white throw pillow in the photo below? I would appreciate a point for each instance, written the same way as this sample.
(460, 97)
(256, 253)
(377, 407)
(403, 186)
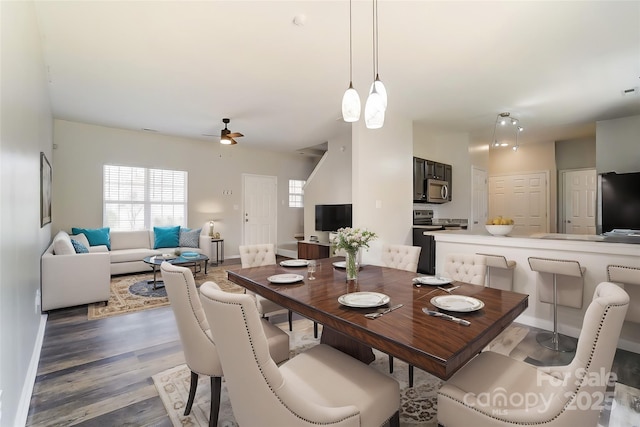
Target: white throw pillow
(62, 244)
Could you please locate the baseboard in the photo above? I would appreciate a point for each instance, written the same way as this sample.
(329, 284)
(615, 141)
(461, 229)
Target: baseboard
(27, 390)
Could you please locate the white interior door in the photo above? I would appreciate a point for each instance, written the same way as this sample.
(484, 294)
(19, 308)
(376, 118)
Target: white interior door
(579, 202)
(478, 197)
(522, 197)
(260, 209)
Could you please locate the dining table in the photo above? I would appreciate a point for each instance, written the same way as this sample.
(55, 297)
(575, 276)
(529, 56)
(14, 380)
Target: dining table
(432, 343)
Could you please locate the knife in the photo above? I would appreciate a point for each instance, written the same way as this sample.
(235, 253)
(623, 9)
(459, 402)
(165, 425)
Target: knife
(447, 317)
(376, 315)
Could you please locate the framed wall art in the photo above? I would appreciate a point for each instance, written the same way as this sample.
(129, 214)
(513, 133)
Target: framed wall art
(45, 190)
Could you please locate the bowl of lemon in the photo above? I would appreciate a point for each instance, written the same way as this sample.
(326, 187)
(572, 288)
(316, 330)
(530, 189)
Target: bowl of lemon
(500, 226)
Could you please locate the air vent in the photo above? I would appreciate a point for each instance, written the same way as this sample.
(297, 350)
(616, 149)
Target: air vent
(631, 91)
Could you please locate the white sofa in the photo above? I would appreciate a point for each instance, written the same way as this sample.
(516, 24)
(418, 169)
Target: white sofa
(70, 278)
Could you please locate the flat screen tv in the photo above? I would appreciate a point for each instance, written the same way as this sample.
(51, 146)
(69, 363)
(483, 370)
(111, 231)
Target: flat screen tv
(620, 195)
(333, 217)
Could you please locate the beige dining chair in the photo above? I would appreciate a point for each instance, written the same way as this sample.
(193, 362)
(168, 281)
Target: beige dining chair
(200, 352)
(629, 277)
(402, 257)
(320, 386)
(495, 390)
(468, 268)
(257, 256)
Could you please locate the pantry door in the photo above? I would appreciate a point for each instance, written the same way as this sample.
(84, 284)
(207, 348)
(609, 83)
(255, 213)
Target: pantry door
(578, 201)
(522, 197)
(259, 209)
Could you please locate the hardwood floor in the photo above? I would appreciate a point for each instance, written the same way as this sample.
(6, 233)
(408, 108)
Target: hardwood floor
(98, 372)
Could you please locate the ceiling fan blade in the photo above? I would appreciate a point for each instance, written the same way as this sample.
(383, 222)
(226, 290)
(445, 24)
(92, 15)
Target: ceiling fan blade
(235, 135)
(233, 141)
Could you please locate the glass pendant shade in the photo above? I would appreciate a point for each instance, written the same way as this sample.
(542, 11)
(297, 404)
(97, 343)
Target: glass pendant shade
(382, 91)
(374, 111)
(351, 105)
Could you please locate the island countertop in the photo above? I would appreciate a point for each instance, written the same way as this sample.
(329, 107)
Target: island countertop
(593, 252)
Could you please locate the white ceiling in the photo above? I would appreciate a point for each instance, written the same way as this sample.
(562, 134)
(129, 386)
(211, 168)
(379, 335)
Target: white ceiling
(179, 67)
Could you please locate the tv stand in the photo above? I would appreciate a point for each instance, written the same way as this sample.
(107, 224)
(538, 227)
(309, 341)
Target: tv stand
(313, 250)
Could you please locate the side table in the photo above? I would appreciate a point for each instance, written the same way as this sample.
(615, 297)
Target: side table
(219, 245)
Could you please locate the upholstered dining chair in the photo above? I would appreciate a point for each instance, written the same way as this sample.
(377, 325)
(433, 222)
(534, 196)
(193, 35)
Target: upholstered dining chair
(402, 257)
(495, 390)
(257, 256)
(469, 268)
(200, 352)
(320, 386)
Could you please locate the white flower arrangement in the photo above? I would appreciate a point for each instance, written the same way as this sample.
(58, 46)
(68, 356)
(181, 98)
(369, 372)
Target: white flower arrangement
(353, 239)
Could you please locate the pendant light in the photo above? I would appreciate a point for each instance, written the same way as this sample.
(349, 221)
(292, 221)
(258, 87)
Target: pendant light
(351, 100)
(376, 105)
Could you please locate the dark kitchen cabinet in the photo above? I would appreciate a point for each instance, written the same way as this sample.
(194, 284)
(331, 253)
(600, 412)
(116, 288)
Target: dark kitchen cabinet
(423, 170)
(419, 175)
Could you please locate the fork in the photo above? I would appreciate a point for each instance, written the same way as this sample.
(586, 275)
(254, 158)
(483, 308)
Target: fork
(448, 290)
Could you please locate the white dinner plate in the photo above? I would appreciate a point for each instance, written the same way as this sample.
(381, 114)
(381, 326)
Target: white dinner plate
(340, 264)
(285, 278)
(364, 299)
(433, 280)
(459, 303)
(294, 263)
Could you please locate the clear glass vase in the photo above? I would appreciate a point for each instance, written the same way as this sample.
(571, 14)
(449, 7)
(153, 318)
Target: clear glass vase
(353, 258)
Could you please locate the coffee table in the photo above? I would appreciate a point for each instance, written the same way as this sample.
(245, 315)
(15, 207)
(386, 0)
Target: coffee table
(195, 262)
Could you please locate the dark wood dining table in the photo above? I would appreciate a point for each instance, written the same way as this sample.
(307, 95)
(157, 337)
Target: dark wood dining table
(433, 344)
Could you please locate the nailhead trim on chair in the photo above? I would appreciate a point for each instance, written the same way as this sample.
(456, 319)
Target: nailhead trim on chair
(625, 267)
(244, 317)
(574, 393)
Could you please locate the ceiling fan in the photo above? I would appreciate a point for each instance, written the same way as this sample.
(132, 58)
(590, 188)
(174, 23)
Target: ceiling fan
(226, 136)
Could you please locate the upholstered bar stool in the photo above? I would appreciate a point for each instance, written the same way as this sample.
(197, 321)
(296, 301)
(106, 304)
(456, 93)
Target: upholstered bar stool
(563, 284)
(499, 272)
(628, 276)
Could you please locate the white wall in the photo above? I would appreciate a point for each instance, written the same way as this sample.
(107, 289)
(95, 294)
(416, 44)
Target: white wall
(452, 149)
(383, 182)
(25, 132)
(618, 145)
(330, 183)
(212, 168)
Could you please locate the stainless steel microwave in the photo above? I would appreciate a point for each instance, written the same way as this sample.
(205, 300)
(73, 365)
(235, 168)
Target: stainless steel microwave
(437, 191)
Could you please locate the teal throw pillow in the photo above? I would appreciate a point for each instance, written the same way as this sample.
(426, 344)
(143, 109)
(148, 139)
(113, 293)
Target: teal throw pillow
(166, 237)
(79, 247)
(95, 236)
(189, 238)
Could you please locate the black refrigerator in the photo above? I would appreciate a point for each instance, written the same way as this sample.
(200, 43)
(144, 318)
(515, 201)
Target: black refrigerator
(619, 201)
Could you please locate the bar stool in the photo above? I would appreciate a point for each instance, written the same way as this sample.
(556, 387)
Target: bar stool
(499, 272)
(572, 283)
(628, 276)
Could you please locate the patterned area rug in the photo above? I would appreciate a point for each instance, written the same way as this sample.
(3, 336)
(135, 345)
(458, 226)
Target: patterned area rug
(122, 300)
(418, 404)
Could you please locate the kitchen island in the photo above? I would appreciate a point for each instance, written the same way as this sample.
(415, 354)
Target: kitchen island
(593, 252)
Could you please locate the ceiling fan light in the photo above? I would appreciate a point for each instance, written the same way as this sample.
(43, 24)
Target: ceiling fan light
(351, 105)
(374, 111)
(225, 140)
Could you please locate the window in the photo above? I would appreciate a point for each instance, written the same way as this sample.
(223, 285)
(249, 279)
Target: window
(139, 198)
(296, 193)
